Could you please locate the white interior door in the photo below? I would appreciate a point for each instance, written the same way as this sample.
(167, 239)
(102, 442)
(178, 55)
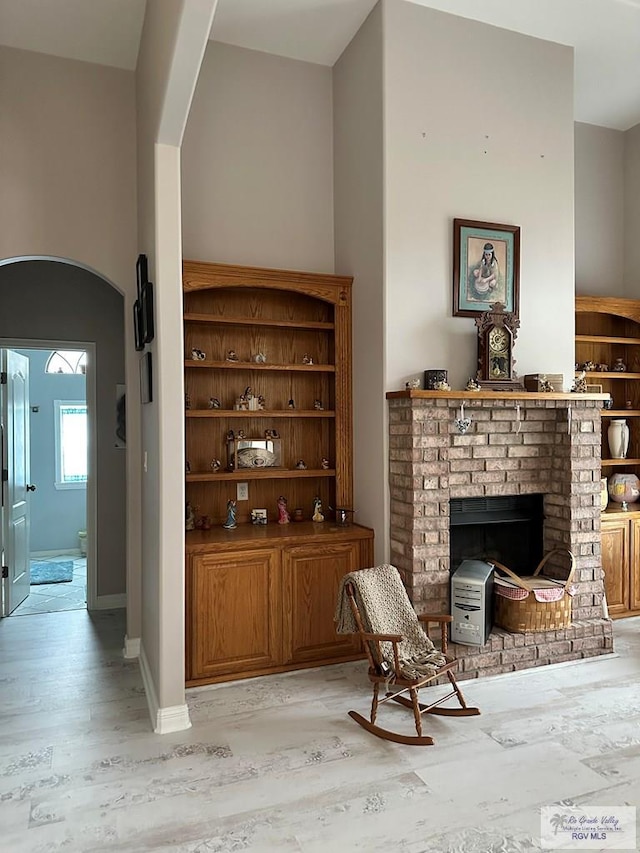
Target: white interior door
(14, 393)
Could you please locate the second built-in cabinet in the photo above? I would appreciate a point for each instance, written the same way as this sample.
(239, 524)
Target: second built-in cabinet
(620, 539)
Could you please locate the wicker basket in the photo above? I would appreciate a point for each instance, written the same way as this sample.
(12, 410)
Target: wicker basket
(527, 613)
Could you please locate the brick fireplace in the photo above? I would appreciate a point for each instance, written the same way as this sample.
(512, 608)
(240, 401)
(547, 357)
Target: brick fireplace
(547, 444)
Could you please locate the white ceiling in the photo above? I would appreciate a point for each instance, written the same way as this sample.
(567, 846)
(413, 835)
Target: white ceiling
(605, 34)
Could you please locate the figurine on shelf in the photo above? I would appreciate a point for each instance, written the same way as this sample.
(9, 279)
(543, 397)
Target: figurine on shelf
(297, 515)
(198, 354)
(231, 355)
(230, 435)
(291, 404)
(546, 386)
(603, 368)
(283, 513)
(317, 404)
(442, 386)
(214, 403)
(260, 358)
(412, 385)
(187, 401)
(231, 522)
(306, 359)
(589, 366)
(619, 366)
(262, 403)
(324, 464)
(190, 523)
(241, 434)
(473, 385)
(187, 466)
(301, 465)
(215, 465)
(317, 510)
(580, 383)
(271, 433)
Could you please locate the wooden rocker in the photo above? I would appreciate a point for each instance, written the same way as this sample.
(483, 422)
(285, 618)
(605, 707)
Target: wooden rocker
(401, 655)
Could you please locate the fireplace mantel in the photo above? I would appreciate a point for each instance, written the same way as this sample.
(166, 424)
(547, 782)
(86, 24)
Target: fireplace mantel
(518, 443)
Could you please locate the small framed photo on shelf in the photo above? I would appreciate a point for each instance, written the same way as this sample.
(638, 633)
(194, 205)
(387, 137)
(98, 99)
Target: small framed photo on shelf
(258, 516)
(486, 267)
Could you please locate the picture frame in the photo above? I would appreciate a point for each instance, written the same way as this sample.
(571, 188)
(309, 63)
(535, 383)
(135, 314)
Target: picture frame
(146, 379)
(142, 275)
(137, 326)
(146, 311)
(258, 516)
(483, 276)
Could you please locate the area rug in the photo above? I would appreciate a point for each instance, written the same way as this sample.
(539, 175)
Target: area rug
(43, 571)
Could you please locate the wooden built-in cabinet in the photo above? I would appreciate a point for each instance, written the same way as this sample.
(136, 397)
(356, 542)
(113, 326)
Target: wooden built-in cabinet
(262, 598)
(608, 328)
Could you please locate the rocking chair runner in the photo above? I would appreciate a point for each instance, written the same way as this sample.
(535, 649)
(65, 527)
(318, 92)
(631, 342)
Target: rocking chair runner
(404, 660)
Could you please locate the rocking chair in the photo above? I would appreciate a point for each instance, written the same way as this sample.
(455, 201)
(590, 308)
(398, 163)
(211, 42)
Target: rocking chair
(374, 603)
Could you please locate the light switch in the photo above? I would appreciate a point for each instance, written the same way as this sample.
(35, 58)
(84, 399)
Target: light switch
(242, 491)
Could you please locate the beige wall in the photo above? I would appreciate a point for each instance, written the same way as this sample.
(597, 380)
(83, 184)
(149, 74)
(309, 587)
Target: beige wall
(257, 173)
(359, 238)
(632, 212)
(67, 169)
(481, 140)
(599, 210)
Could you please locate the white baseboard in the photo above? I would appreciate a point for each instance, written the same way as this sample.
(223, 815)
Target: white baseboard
(57, 552)
(131, 647)
(174, 718)
(110, 602)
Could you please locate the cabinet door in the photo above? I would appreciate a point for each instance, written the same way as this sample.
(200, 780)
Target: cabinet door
(634, 563)
(615, 562)
(235, 613)
(311, 577)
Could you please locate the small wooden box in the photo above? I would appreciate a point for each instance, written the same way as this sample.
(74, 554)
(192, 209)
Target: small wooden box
(533, 381)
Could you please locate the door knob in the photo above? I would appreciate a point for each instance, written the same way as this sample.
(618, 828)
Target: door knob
(31, 488)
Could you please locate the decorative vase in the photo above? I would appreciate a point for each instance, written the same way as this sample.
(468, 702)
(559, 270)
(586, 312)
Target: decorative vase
(624, 487)
(618, 438)
(604, 494)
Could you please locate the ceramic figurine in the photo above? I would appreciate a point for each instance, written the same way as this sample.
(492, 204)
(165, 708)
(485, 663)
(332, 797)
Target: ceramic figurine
(619, 366)
(580, 383)
(187, 467)
(472, 385)
(292, 404)
(187, 401)
(214, 403)
(317, 510)
(260, 358)
(324, 464)
(297, 515)
(230, 435)
(190, 523)
(231, 522)
(301, 465)
(283, 514)
(231, 355)
(262, 403)
(546, 386)
(241, 434)
(603, 368)
(197, 354)
(442, 386)
(306, 359)
(271, 433)
(317, 404)
(412, 385)
(589, 366)
(215, 465)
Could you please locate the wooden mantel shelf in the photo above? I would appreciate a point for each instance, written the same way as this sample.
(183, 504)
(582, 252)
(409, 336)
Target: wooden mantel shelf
(491, 395)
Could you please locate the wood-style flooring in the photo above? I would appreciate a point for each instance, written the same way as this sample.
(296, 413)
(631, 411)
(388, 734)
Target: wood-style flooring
(275, 764)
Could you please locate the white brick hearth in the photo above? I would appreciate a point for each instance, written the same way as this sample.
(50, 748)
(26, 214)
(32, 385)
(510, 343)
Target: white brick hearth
(520, 444)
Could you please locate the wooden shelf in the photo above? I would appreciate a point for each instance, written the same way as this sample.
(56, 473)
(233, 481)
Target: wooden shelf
(612, 463)
(315, 533)
(302, 325)
(493, 395)
(618, 374)
(250, 365)
(260, 474)
(263, 413)
(606, 339)
(621, 413)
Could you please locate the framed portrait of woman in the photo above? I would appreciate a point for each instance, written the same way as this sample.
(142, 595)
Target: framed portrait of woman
(486, 267)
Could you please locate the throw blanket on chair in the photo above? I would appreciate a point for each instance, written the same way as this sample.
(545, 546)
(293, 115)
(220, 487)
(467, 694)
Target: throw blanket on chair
(385, 609)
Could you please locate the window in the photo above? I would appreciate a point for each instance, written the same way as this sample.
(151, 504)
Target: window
(71, 444)
(67, 361)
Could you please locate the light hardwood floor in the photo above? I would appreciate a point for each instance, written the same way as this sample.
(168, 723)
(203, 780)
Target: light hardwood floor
(275, 764)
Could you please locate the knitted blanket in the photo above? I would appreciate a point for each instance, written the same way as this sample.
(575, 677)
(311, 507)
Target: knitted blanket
(385, 609)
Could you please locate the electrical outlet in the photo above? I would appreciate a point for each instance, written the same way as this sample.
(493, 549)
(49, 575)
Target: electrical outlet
(242, 491)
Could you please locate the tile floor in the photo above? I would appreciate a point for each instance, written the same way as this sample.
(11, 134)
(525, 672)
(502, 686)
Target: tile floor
(275, 764)
(51, 597)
